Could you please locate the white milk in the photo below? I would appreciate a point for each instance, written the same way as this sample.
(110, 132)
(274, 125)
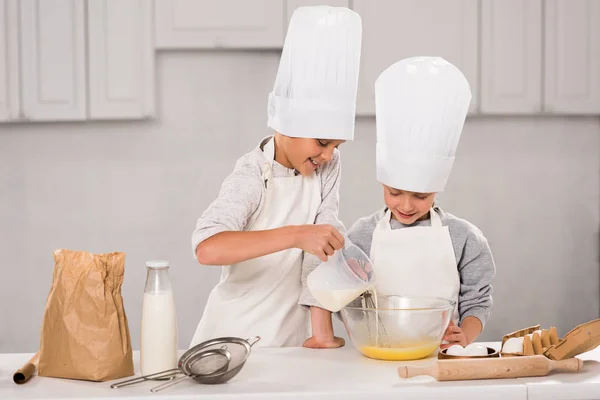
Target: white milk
(335, 300)
(158, 350)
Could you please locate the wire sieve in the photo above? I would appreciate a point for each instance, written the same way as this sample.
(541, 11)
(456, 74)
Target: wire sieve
(210, 362)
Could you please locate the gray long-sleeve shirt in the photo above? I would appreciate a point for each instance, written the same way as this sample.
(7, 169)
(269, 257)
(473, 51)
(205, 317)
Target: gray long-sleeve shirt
(473, 259)
(242, 195)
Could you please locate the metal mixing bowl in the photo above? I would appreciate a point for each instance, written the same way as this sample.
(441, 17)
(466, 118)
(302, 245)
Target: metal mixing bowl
(399, 328)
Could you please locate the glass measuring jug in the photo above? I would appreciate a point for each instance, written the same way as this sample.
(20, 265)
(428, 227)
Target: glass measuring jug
(342, 278)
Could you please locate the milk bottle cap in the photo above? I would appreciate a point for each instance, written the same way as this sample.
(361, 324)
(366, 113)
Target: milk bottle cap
(157, 264)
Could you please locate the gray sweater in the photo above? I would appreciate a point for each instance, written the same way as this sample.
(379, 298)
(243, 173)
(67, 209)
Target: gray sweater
(473, 258)
(242, 195)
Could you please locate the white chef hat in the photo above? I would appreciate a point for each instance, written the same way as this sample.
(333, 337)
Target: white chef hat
(314, 95)
(421, 107)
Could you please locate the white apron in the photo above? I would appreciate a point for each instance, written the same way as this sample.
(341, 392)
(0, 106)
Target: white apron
(259, 297)
(415, 261)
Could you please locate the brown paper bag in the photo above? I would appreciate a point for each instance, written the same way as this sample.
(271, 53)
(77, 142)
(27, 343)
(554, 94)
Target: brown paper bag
(85, 334)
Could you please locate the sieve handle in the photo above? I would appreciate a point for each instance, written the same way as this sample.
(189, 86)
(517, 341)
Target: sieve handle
(252, 341)
(163, 374)
(168, 384)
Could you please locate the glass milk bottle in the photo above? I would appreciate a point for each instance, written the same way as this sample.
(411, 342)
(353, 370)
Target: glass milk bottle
(158, 349)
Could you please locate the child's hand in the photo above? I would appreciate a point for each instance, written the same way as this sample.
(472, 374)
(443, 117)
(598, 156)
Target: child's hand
(320, 343)
(454, 335)
(319, 240)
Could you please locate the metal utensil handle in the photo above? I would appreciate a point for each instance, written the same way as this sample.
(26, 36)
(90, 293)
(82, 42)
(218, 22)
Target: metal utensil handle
(370, 302)
(163, 374)
(168, 384)
(252, 341)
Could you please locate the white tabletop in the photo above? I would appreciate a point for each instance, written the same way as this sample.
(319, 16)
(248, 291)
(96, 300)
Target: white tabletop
(295, 373)
(583, 385)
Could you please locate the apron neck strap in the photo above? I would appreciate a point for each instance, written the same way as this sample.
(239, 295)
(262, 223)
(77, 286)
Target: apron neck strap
(385, 221)
(269, 154)
(436, 221)
(269, 151)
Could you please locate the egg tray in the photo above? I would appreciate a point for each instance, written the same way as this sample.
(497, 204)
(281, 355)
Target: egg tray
(534, 343)
(582, 338)
(492, 353)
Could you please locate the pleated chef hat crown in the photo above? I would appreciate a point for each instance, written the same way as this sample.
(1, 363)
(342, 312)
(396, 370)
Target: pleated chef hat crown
(421, 107)
(314, 95)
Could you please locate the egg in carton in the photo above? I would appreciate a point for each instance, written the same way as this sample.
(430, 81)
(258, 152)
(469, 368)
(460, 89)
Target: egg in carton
(529, 341)
(533, 341)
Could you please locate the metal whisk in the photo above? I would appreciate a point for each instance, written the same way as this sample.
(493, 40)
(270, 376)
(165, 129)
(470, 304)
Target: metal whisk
(381, 337)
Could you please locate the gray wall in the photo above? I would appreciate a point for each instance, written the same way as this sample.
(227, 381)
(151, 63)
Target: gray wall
(531, 184)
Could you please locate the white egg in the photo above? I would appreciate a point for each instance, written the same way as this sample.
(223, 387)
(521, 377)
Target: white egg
(513, 345)
(476, 349)
(456, 350)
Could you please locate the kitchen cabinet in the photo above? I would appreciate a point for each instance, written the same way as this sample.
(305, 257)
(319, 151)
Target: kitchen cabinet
(71, 60)
(511, 57)
(9, 61)
(209, 24)
(291, 5)
(53, 60)
(121, 59)
(393, 30)
(572, 57)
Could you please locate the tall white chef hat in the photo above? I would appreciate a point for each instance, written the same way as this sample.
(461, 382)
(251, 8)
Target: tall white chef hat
(315, 89)
(421, 107)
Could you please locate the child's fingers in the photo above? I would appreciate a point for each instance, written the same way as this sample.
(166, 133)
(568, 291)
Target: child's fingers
(355, 266)
(352, 263)
(339, 237)
(322, 256)
(336, 241)
(454, 338)
(328, 249)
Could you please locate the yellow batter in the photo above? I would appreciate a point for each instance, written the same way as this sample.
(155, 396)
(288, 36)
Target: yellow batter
(400, 353)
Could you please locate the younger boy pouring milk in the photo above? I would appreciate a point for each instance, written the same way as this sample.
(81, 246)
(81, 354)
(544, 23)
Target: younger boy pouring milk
(416, 248)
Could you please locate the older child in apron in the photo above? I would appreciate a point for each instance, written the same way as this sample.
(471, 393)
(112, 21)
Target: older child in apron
(281, 200)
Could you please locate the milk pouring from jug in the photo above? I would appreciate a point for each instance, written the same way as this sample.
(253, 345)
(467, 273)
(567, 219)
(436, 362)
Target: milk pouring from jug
(158, 350)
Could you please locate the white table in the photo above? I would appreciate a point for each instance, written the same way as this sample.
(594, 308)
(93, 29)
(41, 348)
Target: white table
(298, 373)
(584, 385)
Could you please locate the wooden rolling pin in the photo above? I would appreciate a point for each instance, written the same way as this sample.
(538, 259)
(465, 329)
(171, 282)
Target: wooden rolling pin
(27, 370)
(491, 368)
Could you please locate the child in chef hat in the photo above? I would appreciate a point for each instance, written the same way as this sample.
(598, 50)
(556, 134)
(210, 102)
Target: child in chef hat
(417, 249)
(278, 208)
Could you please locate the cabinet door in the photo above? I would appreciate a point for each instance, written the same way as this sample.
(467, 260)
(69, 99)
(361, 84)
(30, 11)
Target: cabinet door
(511, 63)
(9, 61)
(121, 59)
(209, 24)
(572, 57)
(53, 60)
(394, 29)
(291, 5)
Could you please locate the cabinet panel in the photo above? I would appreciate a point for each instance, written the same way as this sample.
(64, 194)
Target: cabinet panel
(53, 60)
(9, 61)
(121, 59)
(205, 24)
(572, 56)
(511, 64)
(393, 30)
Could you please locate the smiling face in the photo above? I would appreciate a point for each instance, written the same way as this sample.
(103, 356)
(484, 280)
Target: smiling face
(408, 207)
(302, 154)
